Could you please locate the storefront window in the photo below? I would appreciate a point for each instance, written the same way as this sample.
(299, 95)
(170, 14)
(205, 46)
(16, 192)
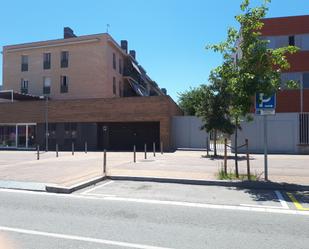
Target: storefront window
(7, 136)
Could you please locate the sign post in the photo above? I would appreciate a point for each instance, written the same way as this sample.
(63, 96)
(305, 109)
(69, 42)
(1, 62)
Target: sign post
(265, 106)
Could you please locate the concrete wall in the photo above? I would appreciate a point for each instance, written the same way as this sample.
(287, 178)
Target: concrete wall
(187, 133)
(283, 133)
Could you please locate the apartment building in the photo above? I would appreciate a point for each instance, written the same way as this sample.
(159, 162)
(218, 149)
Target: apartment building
(294, 31)
(289, 129)
(77, 91)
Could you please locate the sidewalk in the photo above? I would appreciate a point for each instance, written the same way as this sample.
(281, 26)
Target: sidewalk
(67, 170)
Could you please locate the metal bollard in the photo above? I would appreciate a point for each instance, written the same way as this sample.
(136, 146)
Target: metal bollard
(57, 150)
(225, 155)
(161, 146)
(86, 147)
(38, 152)
(248, 160)
(104, 163)
(134, 153)
(72, 149)
(154, 149)
(145, 149)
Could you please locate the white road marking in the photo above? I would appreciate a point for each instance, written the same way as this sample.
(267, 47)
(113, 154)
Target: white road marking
(159, 202)
(281, 199)
(79, 238)
(94, 188)
(101, 195)
(265, 206)
(209, 206)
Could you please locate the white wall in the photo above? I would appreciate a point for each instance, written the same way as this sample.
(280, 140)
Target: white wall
(283, 130)
(187, 133)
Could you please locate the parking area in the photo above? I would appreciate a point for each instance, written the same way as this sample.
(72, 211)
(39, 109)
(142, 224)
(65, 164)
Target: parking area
(178, 193)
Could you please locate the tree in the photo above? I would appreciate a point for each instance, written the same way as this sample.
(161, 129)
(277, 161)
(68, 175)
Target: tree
(189, 100)
(214, 107)
(250, 67)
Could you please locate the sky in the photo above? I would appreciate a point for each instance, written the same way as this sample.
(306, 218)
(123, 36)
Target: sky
(169, 36)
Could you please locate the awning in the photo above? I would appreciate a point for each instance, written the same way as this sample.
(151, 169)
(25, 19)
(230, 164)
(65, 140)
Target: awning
(137, 88)
(11, 95)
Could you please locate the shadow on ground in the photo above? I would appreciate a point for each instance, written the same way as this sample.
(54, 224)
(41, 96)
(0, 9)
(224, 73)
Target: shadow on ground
(264, 194)
(220, 157)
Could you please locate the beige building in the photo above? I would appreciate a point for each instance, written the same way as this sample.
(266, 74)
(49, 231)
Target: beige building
(80, 92)
(91, 66)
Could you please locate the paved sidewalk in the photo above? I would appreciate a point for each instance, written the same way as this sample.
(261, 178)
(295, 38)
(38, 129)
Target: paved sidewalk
(68, 170)
(194, 165)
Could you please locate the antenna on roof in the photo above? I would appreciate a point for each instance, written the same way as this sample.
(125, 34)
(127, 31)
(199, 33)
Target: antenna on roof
(107, 28)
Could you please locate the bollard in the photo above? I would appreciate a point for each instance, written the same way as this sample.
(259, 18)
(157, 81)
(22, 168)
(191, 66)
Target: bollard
(207, 146)
(57, 150)
(86, 147)
(72, 149)
(161, 146)
(225, 155)
(145, 149)
(154, 149)
(38, 152)
(134, 153)
(104, 163)
(248, 160)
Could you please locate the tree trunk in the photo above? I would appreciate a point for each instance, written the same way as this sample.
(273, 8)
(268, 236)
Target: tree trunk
(215, 143)
(236, 147)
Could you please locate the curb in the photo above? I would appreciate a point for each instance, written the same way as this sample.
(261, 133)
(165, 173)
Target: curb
(221, 183)
(68, 190)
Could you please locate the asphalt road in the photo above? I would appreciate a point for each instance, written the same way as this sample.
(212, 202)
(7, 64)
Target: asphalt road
(151, 216)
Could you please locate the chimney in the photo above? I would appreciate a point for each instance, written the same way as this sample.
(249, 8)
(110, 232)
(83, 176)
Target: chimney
(124, 45)
(164, 91)
(68, 33)
(133, 53)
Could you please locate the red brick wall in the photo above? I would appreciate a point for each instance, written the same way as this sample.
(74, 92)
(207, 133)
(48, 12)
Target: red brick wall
(299, 62)
(292, 25)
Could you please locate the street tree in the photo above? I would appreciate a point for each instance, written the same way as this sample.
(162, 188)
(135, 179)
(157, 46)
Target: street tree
(249, 65)
(189, 100)
(214, 107)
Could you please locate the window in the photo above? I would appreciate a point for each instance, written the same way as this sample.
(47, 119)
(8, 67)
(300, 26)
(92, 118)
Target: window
(64, 87)
(24, 86)
(292, 40)
(114, 85)
(120, 66)
(306, 80)
(24, 63)
(46, 85)
(46, 60)
(114, 61)
(64, 59)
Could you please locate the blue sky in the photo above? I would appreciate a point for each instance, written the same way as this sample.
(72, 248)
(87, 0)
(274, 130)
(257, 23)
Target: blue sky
(168, 35)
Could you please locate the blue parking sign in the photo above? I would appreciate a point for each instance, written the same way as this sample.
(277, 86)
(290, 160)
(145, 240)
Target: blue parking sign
(264, 102)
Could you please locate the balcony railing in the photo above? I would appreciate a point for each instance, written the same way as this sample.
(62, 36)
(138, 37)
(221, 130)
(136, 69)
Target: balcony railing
(64, 89)
(64, 63)
(24, 90)
(46, 65)
(24, 67)
(46, 90)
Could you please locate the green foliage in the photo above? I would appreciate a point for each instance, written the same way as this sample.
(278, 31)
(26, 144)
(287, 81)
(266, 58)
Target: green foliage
(214, 106)
(190, 100)
(257, 68)
(232, 176)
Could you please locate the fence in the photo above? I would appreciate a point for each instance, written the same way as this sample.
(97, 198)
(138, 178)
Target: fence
(304, 128)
